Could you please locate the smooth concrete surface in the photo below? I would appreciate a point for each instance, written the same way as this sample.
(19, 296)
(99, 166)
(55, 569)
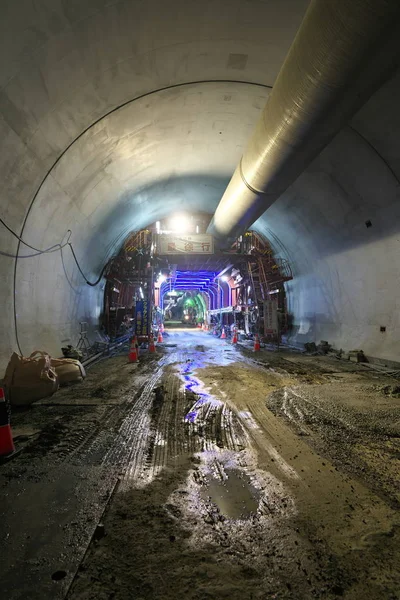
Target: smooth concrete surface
(65, 65)
(346, 274)
(169, 150)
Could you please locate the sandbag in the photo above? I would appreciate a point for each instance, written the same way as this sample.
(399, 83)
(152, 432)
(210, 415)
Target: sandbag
(71, 352)
(30, 378)
(68, 370)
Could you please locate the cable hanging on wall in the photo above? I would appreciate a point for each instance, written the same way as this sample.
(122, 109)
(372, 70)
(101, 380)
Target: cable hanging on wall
(49, 250)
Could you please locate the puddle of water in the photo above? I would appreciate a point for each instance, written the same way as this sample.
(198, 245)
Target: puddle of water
(235, 497)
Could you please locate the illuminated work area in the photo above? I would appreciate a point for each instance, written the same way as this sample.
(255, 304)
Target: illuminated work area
(200, 311)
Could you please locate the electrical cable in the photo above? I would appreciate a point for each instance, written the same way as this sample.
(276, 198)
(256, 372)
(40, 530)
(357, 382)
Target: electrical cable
(25, 255)
(82, 273)
(49, 250)
(52, 248)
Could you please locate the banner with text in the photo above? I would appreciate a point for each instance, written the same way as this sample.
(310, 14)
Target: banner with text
(196, 243)
(142, 317)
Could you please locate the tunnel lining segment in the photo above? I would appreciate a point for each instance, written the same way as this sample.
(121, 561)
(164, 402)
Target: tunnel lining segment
(71, 144)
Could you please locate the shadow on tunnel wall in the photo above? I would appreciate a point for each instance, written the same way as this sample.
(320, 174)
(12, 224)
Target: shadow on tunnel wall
(137, 209)
(348, 198)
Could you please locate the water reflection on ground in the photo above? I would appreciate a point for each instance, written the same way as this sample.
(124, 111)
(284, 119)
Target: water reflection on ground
(235, 496)
(195, 386)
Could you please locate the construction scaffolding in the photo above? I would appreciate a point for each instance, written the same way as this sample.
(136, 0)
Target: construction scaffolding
(129, 290)
(256, 281)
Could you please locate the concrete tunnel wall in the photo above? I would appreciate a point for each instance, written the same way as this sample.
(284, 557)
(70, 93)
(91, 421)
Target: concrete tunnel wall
(347, 274)
(64, 65)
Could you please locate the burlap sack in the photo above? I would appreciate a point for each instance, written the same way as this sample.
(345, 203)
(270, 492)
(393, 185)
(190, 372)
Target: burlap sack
(29, 379)
(68, 370)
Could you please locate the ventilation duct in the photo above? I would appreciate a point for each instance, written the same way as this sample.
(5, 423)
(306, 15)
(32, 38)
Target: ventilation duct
(343, 51)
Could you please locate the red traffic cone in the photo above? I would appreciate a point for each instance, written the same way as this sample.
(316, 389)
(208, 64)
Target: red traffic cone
(234, 337)
(133, 352)
(135, 341)
(159, 339)
(223, 334)
(152, 347)
(256, 343)
(6, 440)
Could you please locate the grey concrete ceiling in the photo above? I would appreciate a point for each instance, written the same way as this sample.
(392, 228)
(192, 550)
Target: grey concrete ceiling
(190, 79)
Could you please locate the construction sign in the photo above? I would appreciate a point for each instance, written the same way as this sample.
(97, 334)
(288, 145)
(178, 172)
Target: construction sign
(199, 243)
(143, 314)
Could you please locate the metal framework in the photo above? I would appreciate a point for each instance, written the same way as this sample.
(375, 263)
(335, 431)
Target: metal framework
(251, 287)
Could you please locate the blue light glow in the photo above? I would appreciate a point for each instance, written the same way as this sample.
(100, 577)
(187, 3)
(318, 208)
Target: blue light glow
(199, 281)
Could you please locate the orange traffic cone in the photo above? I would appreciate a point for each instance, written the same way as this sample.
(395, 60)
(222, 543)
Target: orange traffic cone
(159, 339)
(223, 334)
(152, 347)
(256, 343)
(133, 352)
(135, 341)
(6, 440)
(234, 337)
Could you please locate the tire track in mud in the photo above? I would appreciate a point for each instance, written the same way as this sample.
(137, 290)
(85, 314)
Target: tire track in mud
(80, 434)
(129, 449)
(134, 431)
(158, 431)
(159, 434)
(347, 438)
(157, 427)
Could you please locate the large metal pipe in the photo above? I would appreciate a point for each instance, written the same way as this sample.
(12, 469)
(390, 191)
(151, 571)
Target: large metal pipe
(343, 51)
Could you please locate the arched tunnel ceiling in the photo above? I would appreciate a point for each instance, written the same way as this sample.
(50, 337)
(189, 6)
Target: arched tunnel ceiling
(65, 64)
(165, 151)
(191, 79)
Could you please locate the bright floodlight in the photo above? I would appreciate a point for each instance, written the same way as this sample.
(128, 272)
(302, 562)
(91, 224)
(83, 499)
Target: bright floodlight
(180, 223)
(224, 278)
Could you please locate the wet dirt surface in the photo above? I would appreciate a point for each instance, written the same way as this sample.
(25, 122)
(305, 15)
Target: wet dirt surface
(207, 471)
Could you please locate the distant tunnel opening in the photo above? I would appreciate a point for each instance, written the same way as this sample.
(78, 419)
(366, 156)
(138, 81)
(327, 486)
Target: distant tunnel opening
(174, 274)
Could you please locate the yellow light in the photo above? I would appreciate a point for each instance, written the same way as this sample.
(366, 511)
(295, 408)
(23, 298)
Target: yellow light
(180, 223)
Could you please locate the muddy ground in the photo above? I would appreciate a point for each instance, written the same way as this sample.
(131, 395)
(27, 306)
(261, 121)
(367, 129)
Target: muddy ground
(207, 471)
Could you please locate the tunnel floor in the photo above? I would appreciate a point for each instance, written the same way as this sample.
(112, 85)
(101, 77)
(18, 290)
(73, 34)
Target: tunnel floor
(206, 471)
